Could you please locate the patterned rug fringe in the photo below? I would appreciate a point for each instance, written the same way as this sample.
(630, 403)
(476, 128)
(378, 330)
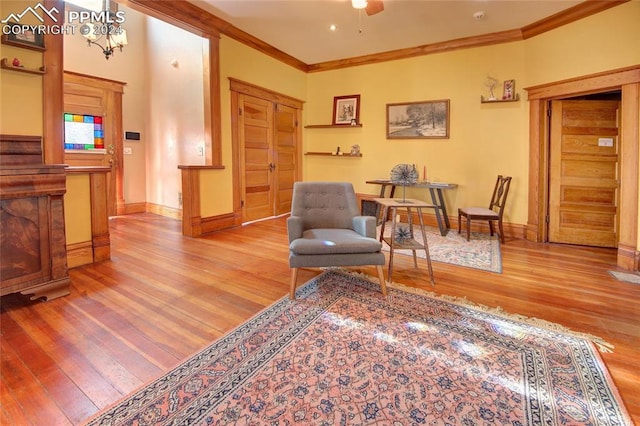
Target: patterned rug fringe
(602, 345)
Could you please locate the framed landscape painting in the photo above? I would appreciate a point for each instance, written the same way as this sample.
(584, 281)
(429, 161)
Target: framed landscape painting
(418, 120)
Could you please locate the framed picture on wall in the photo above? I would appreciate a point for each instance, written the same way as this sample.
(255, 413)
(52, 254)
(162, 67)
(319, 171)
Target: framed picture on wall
(346, 109)
(418, 120)
(27, 38)
(508, 90)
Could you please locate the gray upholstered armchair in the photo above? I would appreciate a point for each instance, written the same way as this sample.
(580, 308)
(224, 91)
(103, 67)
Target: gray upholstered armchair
(325, 229)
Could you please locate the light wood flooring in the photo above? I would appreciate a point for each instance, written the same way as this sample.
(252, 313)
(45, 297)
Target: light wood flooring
(162, 297)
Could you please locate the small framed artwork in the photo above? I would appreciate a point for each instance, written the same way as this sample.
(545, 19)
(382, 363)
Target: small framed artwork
(418, 120)
(19, 36)
(346, 110)
(509, 90)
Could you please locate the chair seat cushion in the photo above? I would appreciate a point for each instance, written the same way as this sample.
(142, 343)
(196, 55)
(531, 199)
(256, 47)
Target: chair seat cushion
(334, 241)
(479, 211)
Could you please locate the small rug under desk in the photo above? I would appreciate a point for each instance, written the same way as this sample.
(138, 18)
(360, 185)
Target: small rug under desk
(482, 251)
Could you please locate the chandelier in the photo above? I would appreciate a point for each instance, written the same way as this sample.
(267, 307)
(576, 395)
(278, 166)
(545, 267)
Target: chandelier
(107, 32)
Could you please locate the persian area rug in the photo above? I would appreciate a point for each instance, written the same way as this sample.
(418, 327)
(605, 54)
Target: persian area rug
(342, 354)
(626, 277)
(482, 251)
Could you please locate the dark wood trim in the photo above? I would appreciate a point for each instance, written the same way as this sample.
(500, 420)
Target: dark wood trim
(52, 91)
(190, 202)
(212, 106)
(200, 167)
(426, 49)
(115, 85)
(627, 80)
(216, 223)
(245, 88)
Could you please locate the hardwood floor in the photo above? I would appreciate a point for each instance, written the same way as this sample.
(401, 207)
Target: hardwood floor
(162, 297)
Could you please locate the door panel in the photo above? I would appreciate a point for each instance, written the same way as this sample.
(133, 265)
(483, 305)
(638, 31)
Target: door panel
(256, 130)
(286, 154)
(583, 191)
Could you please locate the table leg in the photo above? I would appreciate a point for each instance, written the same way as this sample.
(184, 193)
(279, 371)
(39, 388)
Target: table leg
(437, 209)
(391, 240)
(385, 210)
(410, 220)
(443, 207)
(426, 248)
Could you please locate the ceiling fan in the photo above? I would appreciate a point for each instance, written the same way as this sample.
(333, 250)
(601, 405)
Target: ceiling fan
(370, 6)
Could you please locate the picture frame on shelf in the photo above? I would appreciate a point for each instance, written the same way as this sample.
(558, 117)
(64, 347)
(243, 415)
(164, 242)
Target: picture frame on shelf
(509, 90)
(20, 36)
(418, 120)
(346, 109)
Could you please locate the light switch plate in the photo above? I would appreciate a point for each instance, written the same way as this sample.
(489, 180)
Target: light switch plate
(128, 150)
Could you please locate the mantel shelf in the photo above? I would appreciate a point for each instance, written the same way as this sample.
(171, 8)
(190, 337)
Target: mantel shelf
(4, 64)
(333, 154)
(331, 126)
(489, 101)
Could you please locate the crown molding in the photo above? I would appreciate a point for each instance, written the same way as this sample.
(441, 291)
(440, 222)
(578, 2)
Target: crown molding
(192, 18)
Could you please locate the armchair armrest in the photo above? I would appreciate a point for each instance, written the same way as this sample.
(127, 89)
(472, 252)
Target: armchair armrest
(365, 226)
(294, 228)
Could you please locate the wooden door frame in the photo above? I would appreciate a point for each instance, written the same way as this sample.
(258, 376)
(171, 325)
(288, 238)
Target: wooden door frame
(112, 92)
(627, 80)
(238, 87)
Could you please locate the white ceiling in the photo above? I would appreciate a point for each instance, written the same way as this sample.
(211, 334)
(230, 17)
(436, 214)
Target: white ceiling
(300, 28)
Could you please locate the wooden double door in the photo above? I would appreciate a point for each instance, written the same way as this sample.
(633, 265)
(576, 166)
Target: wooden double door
(269, 139)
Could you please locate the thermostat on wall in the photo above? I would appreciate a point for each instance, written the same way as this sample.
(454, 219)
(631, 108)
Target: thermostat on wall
(132, 136)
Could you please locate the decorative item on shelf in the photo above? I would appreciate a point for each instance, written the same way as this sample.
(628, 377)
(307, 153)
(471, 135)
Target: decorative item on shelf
(346, 110)
(508, 90)
(109, 32)
(491, 83)
(355, 149)
(404, 174)
(16, 63)
(337, 152)
(403, 234)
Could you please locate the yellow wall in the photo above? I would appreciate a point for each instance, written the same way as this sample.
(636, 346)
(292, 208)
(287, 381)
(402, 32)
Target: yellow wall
(20, 93)
(485, 139)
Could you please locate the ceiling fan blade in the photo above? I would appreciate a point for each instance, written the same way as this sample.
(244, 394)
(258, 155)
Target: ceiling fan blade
(374, 6)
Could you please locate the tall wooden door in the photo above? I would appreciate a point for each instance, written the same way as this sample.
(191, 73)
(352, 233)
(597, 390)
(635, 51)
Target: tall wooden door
(583, 189)
(286, 145)
(256, 136)
(268, 138)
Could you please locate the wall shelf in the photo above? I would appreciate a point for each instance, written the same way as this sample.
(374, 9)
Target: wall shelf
(487, 101)
(4, 64)
(332, 154)
(330, 126)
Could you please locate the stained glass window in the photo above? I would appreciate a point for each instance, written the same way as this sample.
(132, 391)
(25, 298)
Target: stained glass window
(83, 132)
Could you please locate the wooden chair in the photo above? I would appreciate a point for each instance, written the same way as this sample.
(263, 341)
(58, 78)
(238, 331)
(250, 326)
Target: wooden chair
(493, 213)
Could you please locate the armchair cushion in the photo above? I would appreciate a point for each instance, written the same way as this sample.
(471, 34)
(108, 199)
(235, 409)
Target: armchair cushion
(334, 241)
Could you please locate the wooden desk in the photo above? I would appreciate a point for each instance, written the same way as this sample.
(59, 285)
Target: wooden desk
(389, 205)
(435, 190)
